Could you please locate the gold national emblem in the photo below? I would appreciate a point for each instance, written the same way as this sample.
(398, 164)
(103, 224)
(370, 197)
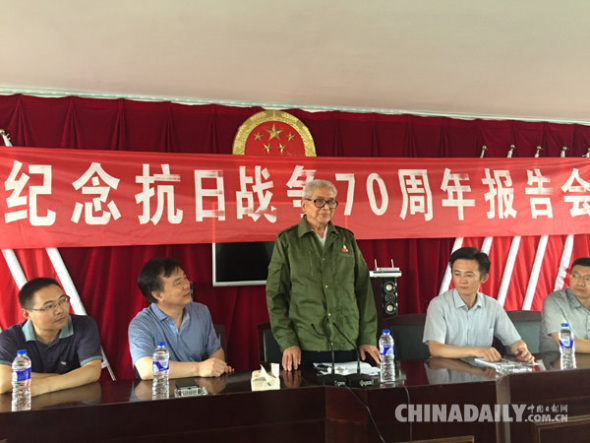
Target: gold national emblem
(274, 133)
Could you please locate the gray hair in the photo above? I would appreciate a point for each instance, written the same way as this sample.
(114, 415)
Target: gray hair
(311, 185)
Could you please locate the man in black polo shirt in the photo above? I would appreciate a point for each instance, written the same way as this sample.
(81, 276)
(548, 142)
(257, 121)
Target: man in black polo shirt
(64, 348)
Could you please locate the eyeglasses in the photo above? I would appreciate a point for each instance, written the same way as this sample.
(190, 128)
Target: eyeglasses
(586, 278)
(321, 202)
(52, 306)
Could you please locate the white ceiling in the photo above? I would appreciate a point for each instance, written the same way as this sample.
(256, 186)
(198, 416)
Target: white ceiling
(503, 58)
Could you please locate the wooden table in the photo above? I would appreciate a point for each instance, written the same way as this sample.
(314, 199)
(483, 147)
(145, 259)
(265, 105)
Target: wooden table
(301, 411)
(548, 395)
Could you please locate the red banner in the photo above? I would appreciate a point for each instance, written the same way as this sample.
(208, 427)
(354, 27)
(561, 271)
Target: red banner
(62, 197)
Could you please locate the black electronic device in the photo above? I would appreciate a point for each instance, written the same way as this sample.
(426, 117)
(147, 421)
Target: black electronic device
(337, 380)
(241, 264)
(187, 387)
(384, 282)
(332, 379)
(357, 380)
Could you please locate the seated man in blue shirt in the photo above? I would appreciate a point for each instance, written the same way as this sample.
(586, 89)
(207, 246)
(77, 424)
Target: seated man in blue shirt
(173, 317)
(570, 305)
(64, 348)
(462, 322)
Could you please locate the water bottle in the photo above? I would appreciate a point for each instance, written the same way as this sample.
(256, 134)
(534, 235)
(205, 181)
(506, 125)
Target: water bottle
(387, 365)
(567, 347)
(161, 363)
(21, 381)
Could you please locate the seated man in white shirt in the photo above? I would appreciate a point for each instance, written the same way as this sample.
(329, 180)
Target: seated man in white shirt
(463, 322)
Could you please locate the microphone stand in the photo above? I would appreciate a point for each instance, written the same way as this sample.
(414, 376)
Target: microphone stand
(357, 380)
(332, 379)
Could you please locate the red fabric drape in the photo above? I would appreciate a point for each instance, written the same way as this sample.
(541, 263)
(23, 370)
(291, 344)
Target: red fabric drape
(105, 277)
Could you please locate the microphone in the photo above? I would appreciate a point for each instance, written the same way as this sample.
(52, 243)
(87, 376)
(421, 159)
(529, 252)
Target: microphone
(357, 380)
(332, 379)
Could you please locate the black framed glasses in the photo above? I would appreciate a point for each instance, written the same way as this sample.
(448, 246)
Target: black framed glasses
(585, 278)
(52, 306)
(321, 202)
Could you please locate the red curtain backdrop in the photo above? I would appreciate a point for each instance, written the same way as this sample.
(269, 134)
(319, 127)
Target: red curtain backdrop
(105, 277)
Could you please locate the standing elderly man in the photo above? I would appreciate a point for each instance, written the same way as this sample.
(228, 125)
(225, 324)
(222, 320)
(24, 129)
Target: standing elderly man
(318, 291)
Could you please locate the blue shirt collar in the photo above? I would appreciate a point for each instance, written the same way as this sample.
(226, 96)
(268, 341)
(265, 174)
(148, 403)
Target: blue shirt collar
(161, 316)
(158, 312)
(29, 331)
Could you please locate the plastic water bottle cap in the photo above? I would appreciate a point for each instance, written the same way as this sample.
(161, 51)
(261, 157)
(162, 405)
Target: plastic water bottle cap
(386, 331)
(565, 325)
(21, 352)
(161, 343)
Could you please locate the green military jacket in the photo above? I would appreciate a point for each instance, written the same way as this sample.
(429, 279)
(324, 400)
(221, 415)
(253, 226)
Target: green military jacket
(310, 288)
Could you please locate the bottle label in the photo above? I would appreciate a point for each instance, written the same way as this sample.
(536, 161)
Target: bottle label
(22, 374)
(566, 342)
(386, 350)
(159, 365)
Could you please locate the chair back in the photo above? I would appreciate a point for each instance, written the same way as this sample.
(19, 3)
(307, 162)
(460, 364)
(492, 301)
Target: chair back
(407, 331)
(528, 325)
(268, 348)
(220, 331)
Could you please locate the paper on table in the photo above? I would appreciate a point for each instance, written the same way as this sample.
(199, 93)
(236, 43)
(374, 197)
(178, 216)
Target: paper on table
(505, 366)
(263, 381)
